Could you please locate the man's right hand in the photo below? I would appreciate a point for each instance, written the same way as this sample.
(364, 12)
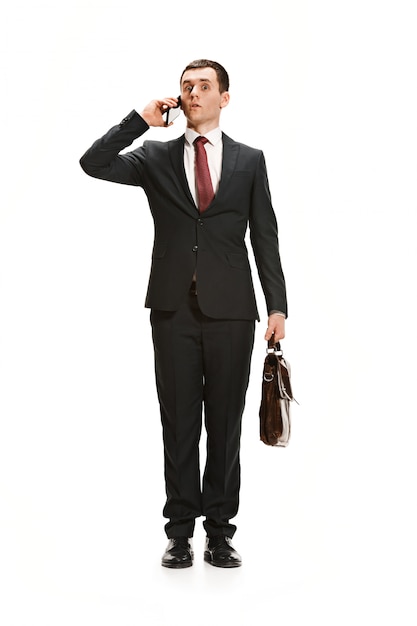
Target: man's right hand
(152, 113)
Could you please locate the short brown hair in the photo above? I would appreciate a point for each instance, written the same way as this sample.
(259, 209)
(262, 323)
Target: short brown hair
(222, 75)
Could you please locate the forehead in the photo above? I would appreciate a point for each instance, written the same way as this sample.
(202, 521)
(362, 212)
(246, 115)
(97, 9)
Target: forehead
(200, 74)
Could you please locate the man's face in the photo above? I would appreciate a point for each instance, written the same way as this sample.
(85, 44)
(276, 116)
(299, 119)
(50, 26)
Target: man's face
(201, 99)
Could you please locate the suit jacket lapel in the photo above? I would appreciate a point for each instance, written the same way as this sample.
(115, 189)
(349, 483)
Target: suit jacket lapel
(176, 152)
(230, 154)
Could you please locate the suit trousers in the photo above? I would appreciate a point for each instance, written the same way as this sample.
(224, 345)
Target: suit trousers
(202, 367)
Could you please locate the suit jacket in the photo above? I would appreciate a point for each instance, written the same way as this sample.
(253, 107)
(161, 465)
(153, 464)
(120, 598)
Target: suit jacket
(211, 244)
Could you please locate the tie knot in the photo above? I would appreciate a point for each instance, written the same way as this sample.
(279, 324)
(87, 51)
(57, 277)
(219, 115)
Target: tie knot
(200, 140)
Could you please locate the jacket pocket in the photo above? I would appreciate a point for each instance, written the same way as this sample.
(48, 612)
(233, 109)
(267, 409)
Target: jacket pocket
(238, 260)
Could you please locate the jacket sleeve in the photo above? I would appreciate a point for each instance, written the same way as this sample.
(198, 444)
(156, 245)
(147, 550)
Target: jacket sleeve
(264, 240)
(103, 160)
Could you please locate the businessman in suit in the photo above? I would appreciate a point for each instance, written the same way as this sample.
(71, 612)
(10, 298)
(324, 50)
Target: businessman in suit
(204, 190)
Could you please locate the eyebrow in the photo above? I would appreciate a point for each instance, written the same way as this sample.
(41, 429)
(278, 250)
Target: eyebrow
(202, 80)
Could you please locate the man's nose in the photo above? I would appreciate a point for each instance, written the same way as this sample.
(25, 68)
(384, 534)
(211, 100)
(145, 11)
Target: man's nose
(193, 91)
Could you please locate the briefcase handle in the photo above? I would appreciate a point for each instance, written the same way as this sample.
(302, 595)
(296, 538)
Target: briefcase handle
(273, 346)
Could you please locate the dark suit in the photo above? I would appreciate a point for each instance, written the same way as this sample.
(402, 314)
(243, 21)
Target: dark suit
(202, 342)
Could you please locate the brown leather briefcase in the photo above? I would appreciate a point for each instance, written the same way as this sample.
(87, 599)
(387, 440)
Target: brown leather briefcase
(274, 412)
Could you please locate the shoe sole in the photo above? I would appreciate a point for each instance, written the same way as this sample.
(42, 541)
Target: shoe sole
(225, 564)
(177, 565)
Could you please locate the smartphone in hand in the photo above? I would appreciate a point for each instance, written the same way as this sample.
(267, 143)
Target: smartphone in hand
(171, 114)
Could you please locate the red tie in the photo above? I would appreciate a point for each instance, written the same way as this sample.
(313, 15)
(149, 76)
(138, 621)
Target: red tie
(205, 192)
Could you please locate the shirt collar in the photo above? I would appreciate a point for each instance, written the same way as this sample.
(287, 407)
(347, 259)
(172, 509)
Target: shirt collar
(214, 136)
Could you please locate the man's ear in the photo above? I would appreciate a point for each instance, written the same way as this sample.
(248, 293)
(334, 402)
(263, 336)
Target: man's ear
(225, 97)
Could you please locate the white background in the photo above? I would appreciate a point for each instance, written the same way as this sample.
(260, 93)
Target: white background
(326, 527)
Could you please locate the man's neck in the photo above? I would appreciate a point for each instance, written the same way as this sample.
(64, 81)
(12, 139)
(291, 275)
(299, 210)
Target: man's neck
(202, 129)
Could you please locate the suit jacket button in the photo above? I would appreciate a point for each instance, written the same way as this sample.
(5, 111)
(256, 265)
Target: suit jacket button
(200, 222)
(195, 248)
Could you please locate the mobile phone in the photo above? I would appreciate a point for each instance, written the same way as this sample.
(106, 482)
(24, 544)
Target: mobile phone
(171, 114)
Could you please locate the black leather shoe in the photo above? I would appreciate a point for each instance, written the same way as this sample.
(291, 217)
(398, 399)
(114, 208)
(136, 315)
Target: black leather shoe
(178, 554)
(220, 552)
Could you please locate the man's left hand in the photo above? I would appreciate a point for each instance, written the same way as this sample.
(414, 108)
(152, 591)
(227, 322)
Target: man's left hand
(276, 327)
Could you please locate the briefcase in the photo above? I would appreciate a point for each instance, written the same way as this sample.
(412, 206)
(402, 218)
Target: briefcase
(274, 412)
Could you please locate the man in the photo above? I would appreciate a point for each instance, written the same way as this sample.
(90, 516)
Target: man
(202, 196)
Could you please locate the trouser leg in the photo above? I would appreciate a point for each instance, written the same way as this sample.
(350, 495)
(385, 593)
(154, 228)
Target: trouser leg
(179, 379)
(227, 350)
